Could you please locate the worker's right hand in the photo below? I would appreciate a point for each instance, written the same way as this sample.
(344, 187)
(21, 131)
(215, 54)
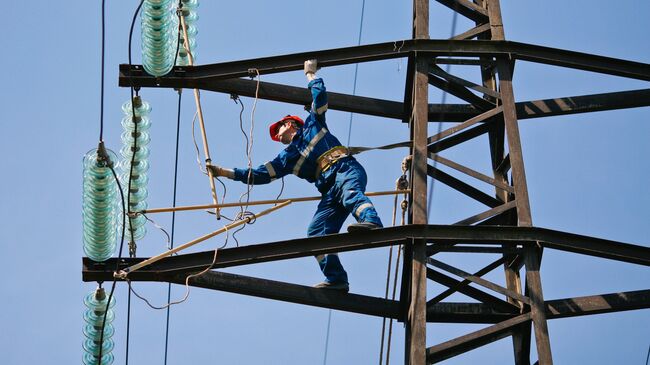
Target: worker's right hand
(220, 171)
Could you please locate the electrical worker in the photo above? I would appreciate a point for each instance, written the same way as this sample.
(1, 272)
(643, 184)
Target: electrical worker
(316, 155)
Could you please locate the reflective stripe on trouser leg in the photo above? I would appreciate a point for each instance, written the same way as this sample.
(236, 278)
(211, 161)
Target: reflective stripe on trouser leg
(351, 181)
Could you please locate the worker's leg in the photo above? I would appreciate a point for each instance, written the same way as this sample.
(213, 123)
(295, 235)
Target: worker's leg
(328, 219)
(351, 180)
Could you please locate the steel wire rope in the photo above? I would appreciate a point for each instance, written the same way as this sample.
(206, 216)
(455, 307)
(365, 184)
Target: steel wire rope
(354, 90)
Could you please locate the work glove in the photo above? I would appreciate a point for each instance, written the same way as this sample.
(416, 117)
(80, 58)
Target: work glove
(220, 171)
(311, 66)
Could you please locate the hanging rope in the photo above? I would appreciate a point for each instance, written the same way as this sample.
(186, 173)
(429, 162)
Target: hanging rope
(401, 184)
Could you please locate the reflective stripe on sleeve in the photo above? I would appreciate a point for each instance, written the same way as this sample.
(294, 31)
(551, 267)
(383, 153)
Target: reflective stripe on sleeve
(308, 150)
(270, 169)
(361, 208)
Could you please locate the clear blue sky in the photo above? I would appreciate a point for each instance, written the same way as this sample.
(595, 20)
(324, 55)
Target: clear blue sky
(587, 174)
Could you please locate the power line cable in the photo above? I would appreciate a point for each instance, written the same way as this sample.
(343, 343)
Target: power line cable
(171, 244)
(327, 336)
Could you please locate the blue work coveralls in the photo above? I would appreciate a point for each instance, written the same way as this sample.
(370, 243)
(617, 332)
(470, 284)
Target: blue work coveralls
(342, 184)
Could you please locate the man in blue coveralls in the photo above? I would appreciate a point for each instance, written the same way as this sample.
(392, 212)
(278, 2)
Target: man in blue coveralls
(316, 155)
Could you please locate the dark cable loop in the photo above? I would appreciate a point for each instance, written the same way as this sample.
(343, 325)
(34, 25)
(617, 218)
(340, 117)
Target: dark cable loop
(169, 287)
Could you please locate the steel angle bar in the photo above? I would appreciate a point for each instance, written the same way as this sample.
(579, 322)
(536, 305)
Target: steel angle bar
(408, 93)
(134, 75)
(472, 33)
(479, 281)
(488, 213)
(436, 70)
(469, 172)
(471, 292)
(301, 96)
(483, 117)
(525, 236)
(293, 293)
(474, 340)
(463, 61)
(460, 92)
(448, 312)
(459, 138)
(577, 60)
(245, 255)
(594, 246)
(465, 282)
(476, 249)
(583, 104)
(448, 112)
(597, 304)
(462, 187)
(467, 9)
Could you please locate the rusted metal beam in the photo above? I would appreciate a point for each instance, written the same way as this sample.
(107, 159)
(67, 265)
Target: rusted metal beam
(436, 70)
(483, 117)
(481, 296)
(415, 341)
(467, 9)
(501, 209)
(479, 281)
(446, 312)
(134, 75)
(303, 247)
(452, 312)
(463, 187)
(292, 293)
(459, 138)
(533, 258)
(474, 32)
(460, 92)
(597, 304)
(473, 173)
(464, 282)
(475, 339)
(437, 112)
(583, 104)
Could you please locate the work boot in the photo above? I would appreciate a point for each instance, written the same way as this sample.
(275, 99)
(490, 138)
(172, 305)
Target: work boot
(344, 287)
(361, 226)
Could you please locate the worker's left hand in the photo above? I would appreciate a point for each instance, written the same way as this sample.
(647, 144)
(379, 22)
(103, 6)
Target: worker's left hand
(311, 66)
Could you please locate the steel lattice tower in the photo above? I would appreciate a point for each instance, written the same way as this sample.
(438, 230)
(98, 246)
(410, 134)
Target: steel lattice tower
(506, 227)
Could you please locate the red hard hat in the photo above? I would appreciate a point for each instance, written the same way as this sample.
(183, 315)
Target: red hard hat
(273, 128)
